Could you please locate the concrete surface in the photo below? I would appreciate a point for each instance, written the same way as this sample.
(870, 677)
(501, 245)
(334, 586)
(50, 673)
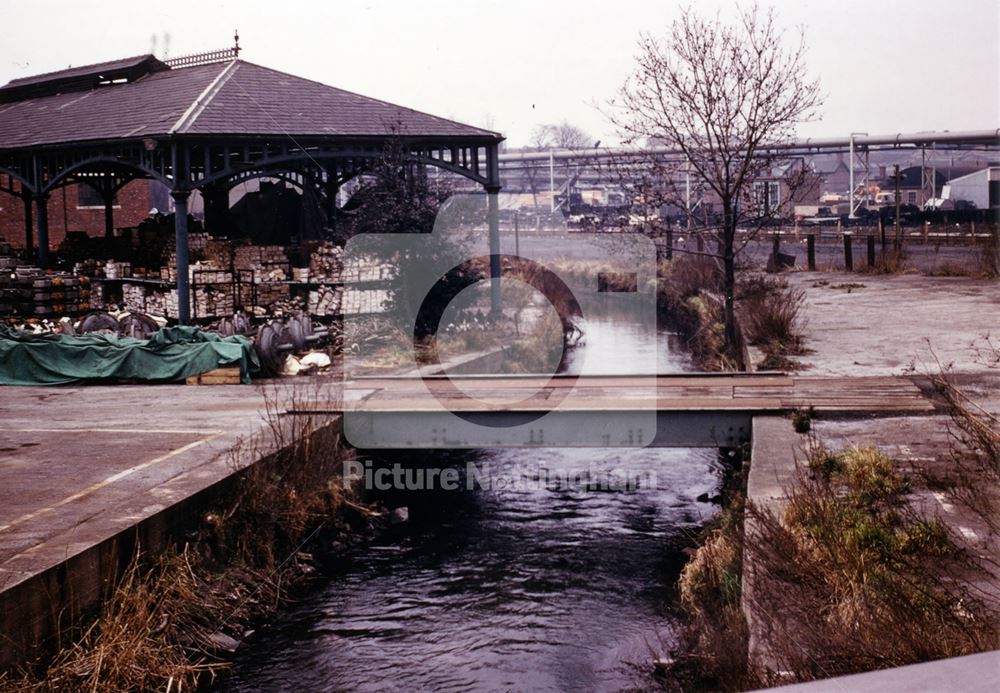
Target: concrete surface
(891, 322)
(978, 673)
(892, 325)
(88, 472)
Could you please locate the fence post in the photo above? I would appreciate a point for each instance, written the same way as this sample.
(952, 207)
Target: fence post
(871, 250)
(811, 251)
(848, 253)
(996, 249)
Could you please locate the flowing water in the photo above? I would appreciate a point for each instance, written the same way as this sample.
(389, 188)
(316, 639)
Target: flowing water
(552, 576)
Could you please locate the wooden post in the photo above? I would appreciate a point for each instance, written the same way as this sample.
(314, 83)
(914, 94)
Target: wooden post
(927, 228)
(848, 253)
(775, 249)
(811, 251)
(996, 249)
(973, 232)
(871, 250)
(899, 230)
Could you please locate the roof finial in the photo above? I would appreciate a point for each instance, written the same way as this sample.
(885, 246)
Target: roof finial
(236, 38)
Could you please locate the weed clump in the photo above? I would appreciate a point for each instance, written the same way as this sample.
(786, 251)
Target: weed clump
(770, 313)
(689, 298)
(851, 577)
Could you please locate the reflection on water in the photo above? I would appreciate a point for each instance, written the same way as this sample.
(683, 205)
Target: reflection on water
(549, 579)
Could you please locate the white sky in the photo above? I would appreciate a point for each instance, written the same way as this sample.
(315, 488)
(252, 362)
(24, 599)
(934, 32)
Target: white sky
(884, 65)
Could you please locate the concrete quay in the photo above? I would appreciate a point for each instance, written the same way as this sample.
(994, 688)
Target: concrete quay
(90, 474)
(889, 325)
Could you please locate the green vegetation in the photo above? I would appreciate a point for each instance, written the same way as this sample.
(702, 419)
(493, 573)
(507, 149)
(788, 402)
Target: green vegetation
(853, 576)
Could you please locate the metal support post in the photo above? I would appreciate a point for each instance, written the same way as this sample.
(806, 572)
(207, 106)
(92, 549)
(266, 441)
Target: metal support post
(109, 213)
(29, 225)
(494, 222)
(181, 236)
(552, 182)
(42, 205)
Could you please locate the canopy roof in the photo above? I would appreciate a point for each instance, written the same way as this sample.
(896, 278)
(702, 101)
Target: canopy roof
(143, 97)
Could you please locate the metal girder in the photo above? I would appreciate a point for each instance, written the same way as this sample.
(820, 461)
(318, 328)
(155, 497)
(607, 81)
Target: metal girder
(442, 429)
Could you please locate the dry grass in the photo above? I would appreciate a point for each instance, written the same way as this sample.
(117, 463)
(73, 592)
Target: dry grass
(893, 261)
(689, 299)
(852, 577)
(153, 632)
(771, 317)
(145, 637)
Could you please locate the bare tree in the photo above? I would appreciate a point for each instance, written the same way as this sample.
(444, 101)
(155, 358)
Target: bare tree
(560, 136)
(722, 96)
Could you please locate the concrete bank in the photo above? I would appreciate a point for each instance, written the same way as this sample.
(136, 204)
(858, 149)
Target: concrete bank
(886, 325)
(88, 474)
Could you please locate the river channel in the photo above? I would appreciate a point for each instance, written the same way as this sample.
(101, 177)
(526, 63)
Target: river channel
(553, 575)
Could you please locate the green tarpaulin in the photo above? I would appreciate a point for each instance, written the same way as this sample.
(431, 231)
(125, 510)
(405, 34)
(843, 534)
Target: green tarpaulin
(173, 353)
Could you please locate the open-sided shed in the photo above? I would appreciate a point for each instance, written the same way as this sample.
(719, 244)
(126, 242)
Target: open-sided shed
(208, 122)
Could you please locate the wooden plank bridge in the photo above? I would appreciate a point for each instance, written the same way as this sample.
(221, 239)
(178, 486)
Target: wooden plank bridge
(573, 411)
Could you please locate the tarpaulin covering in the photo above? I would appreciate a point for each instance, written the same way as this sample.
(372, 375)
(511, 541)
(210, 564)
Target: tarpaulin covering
(173, 353)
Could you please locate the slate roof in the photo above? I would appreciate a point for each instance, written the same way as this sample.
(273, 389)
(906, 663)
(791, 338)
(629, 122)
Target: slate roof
(227, 98)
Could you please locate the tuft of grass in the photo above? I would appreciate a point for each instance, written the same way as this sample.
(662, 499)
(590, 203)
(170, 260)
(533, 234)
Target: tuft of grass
(146, 637)
(851, 577)
(770, 313)
(802, 419)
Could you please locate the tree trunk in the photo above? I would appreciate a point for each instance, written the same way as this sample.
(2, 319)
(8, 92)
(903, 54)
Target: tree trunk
(729, 270)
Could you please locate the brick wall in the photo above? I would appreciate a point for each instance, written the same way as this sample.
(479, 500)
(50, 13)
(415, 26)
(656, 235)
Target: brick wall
(67, 213)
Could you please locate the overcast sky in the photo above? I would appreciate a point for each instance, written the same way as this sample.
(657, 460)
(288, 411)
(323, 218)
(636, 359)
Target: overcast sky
(884, 65)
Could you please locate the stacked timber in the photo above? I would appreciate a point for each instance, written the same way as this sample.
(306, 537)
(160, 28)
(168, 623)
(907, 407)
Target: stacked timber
(367, 270)
(228, 375)
(364, 301)
(212, 300)
(325, 300)
(326, 264)
(269, 266)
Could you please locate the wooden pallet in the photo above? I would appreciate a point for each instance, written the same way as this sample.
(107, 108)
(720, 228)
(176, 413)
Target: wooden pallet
(228, 375)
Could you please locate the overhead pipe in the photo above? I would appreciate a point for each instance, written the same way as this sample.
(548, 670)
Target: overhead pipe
(961, 137)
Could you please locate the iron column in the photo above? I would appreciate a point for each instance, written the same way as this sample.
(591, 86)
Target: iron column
(42, 203)
(29, 225)
(181, 236)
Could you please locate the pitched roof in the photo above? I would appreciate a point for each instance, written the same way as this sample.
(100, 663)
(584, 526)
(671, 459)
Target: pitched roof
(97, 69)
(227, 98)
